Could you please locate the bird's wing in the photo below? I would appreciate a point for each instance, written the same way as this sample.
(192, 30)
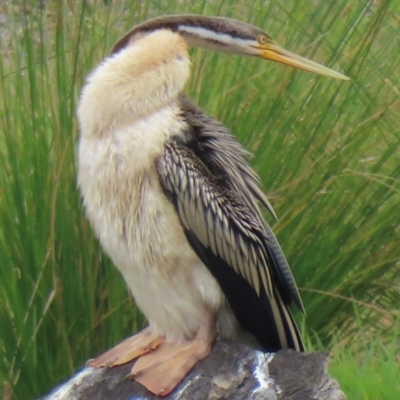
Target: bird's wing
(232, 243)
(215, 216)
(225, 158)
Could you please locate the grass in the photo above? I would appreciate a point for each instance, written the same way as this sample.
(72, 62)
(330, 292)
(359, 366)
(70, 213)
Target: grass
(373, 372)
(327, 153)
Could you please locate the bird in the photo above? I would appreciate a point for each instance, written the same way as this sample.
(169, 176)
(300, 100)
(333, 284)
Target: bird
(176, 205)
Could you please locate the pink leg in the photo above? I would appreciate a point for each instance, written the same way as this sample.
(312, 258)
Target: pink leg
(163, 369)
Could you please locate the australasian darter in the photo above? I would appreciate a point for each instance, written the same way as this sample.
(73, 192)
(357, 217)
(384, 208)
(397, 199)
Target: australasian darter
(176, 205)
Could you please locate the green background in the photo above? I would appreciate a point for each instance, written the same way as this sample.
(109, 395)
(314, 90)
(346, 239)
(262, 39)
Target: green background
(327, 152)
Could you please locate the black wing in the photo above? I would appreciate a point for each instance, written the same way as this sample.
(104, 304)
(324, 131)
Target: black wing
(215, 194)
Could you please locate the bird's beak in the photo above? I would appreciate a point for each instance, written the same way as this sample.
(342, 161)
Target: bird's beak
(272, 51)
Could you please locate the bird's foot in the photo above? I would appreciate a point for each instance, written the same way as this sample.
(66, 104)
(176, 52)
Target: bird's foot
(128, 350)
(163, 369)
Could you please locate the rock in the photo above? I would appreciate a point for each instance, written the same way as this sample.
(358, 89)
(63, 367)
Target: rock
(232, 371)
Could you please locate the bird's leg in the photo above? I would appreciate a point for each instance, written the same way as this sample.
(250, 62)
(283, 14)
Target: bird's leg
(128, 350)
(163, 369)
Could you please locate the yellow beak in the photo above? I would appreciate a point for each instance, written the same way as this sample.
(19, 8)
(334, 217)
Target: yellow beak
(272, 51)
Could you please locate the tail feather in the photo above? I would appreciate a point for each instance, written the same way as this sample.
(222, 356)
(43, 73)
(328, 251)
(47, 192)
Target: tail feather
(288, 332)
(268, 319)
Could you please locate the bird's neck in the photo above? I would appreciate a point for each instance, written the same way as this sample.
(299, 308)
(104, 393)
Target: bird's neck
(142, 78)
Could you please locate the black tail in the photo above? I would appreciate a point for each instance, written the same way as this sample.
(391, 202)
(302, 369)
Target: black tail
(269, 320)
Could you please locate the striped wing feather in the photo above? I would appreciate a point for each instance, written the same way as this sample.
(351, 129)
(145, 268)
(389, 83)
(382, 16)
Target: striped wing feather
(224, 158)
(218, 220)
(235, 244)
(216, 195)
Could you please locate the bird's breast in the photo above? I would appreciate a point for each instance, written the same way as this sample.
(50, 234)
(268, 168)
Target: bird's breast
(118, 180)
(138, 227)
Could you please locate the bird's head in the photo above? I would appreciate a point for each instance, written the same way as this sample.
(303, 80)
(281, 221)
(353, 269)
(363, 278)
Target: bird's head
(225, 35)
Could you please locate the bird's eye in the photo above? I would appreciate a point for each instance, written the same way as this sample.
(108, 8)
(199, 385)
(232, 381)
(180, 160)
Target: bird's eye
(262, 39)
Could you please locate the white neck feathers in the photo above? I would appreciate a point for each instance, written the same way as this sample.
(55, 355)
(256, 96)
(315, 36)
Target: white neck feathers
(137, 81)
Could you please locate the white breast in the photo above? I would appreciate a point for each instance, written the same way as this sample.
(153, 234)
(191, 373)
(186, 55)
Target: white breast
(139, 229)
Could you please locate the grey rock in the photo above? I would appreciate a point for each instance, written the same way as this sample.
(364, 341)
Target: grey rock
(232, 371)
